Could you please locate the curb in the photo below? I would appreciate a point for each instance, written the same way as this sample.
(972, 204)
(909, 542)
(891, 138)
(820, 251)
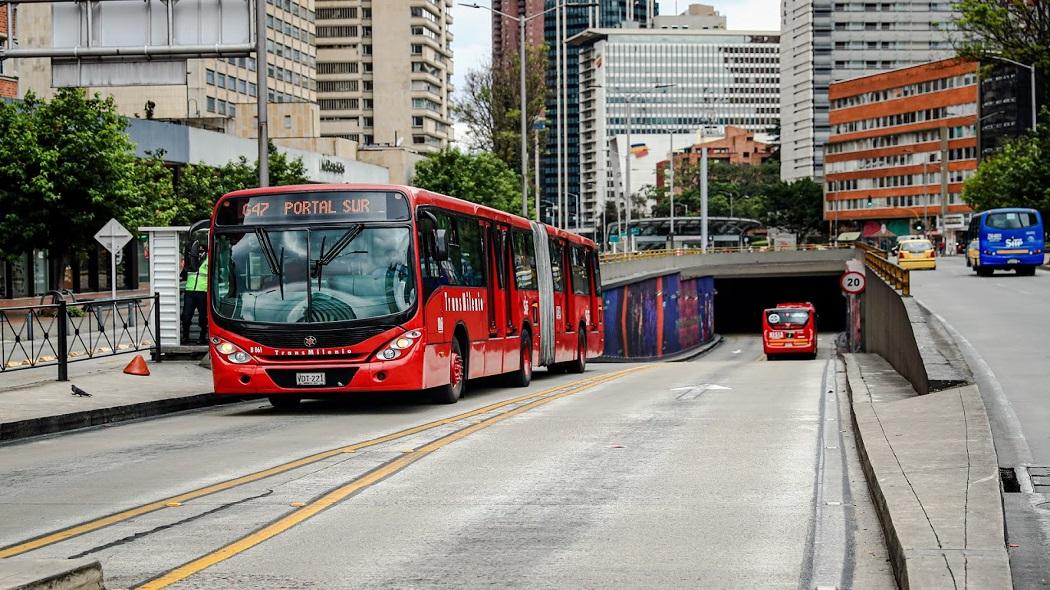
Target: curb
(101, 416)
(919, 560)
(50, 574)
(676, 358)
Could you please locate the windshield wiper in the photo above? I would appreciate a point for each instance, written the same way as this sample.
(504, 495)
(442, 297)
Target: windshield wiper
(276, 266)
(327, 257)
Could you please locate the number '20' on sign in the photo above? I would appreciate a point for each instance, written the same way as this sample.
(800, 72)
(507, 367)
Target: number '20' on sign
(852, 282)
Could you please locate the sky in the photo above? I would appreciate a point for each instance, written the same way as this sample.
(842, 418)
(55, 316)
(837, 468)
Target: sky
(472, 28)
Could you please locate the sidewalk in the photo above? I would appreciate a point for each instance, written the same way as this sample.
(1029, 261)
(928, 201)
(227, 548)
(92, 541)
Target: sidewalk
(933, 474)
(32, 402)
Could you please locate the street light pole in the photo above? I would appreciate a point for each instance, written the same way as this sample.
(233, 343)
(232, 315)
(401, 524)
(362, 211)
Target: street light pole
(263, 95)
(671, 186)
(627, 176)
(524, 135)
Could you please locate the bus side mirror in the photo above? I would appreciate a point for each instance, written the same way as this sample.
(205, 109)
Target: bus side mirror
(440, 245)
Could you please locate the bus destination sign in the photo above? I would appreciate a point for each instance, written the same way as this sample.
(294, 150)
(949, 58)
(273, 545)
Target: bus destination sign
(314, 207)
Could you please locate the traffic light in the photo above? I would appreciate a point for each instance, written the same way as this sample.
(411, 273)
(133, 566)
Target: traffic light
(918, 226)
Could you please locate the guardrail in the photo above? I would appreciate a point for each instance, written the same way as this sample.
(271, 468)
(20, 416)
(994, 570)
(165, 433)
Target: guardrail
(657, 253)
(56, 334)
(897, 277)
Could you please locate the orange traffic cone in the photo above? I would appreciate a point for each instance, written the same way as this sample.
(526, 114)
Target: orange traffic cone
(137, 366)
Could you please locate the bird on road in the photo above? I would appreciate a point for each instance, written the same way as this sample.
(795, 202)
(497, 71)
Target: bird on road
(80, 392)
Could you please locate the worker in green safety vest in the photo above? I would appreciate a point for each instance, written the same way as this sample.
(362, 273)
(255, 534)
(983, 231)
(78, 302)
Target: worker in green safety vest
(195, 298)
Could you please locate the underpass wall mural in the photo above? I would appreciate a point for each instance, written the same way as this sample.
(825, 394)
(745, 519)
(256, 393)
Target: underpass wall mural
(658, 317)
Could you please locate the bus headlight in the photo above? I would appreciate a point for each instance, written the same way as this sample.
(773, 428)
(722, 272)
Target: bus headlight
(231, 351)
(400, 344)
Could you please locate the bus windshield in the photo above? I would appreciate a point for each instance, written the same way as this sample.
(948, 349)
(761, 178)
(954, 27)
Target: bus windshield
(304, 275)
(787, 316)
(1011, 220)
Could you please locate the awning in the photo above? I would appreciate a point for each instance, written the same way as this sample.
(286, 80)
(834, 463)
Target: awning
(848, 236)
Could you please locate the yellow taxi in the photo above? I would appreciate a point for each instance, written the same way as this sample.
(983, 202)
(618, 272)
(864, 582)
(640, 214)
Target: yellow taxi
(917, 254)
(972, 253)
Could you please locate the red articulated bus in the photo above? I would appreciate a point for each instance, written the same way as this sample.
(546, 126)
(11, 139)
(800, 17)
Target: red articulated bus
(320, 290)
(790, 329)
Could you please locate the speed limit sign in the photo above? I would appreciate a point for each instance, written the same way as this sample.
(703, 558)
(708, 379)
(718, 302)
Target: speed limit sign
(852, 282)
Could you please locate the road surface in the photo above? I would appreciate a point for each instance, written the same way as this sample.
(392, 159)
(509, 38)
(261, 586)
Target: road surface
(1003, 325)
(725, 472)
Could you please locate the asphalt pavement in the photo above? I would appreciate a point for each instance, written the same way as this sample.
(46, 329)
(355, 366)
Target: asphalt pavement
(725, 472)
(1003, 328)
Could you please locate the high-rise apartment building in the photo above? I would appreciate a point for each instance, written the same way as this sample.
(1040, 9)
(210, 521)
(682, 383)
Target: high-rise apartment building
(384, 71)
(665, 82)
(826, 41)
(505, 42)
(8, 82)
(215, 90)
(893, 135)
(561, 160)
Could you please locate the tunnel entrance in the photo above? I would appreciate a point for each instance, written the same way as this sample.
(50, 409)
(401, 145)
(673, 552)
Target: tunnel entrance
(739, 301)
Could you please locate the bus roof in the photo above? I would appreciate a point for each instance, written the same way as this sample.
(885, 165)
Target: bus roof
(1008, 210)
(417, 196)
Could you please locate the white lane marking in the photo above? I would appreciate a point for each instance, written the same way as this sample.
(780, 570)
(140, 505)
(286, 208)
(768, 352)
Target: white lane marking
(737, 351)
(695, 391)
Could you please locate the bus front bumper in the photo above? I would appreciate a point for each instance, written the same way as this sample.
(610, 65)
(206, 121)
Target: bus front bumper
(402, 374)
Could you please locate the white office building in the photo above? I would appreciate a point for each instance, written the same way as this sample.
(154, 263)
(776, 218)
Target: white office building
(665, 82)
(827, 41)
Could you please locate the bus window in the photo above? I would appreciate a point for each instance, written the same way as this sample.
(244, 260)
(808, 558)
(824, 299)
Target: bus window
(471, 261)
(596, 274)
(580, 283)
(1011, 220)
(556, 251)
(524, 260)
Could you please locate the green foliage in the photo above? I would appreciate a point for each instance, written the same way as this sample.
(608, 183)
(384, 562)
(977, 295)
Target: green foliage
(66, 167)
(753, 192)
(1014, 29)
(490, 105)
(481, 178)
(1018, 176)
(200, 186)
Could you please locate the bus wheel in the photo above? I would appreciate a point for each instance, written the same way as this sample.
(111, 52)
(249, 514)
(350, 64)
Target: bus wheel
(984, 272)
(580, 364)
(285, 402)
(523, 376)
(1026, 271)
(457, 378)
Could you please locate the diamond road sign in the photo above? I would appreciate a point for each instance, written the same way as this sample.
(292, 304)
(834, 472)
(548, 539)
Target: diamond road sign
(113, 236)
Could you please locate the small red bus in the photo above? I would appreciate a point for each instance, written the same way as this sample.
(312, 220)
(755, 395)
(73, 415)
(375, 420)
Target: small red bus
(790, 329)
(320, 290)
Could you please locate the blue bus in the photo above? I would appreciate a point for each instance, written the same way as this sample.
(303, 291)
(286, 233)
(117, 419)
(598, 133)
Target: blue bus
(1006, 239)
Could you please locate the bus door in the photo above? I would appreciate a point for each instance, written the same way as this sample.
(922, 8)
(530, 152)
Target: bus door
(561, 295)
(498, 295)
(596, 319)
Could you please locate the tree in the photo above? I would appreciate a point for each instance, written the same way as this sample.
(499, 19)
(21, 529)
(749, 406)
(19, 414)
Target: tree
(1018, 176)
(200, 186)
(797, 207)
(1014, 29)
(480, 178)
(490, 105)
(733, 189)
(66, 167)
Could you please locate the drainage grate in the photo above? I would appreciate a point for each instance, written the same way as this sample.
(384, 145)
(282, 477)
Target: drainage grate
(1009, 479)
(1040, 479)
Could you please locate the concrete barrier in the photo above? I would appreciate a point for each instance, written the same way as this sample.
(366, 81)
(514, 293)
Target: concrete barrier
(926, 448)
(50, 574)
(908, 336)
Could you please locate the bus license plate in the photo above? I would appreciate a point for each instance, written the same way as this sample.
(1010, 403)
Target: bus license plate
(776, 335)
(309, 379)
(1013, 261)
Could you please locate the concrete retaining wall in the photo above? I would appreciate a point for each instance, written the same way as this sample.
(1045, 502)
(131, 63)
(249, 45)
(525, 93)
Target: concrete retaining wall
(907, 335)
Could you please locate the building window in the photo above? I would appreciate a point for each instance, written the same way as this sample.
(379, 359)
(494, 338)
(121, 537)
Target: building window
(287, 121)
(417, 122)
(210, 76)
(211, 104)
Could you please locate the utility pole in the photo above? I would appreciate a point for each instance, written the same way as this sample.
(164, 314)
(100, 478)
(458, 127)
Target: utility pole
(703, 197)
(536, 156)
(944, 186)
(627, 176)
(522, 115)
(262, 98)
(671, 187)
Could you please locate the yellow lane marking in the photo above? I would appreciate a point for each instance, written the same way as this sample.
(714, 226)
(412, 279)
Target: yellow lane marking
(369, 479)
(94, 525)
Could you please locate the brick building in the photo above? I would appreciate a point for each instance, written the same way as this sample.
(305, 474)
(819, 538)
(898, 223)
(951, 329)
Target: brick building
(8, 82)
(890, 133)
(738, 146)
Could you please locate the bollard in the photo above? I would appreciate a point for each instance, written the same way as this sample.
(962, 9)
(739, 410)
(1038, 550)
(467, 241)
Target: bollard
(63, 333)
